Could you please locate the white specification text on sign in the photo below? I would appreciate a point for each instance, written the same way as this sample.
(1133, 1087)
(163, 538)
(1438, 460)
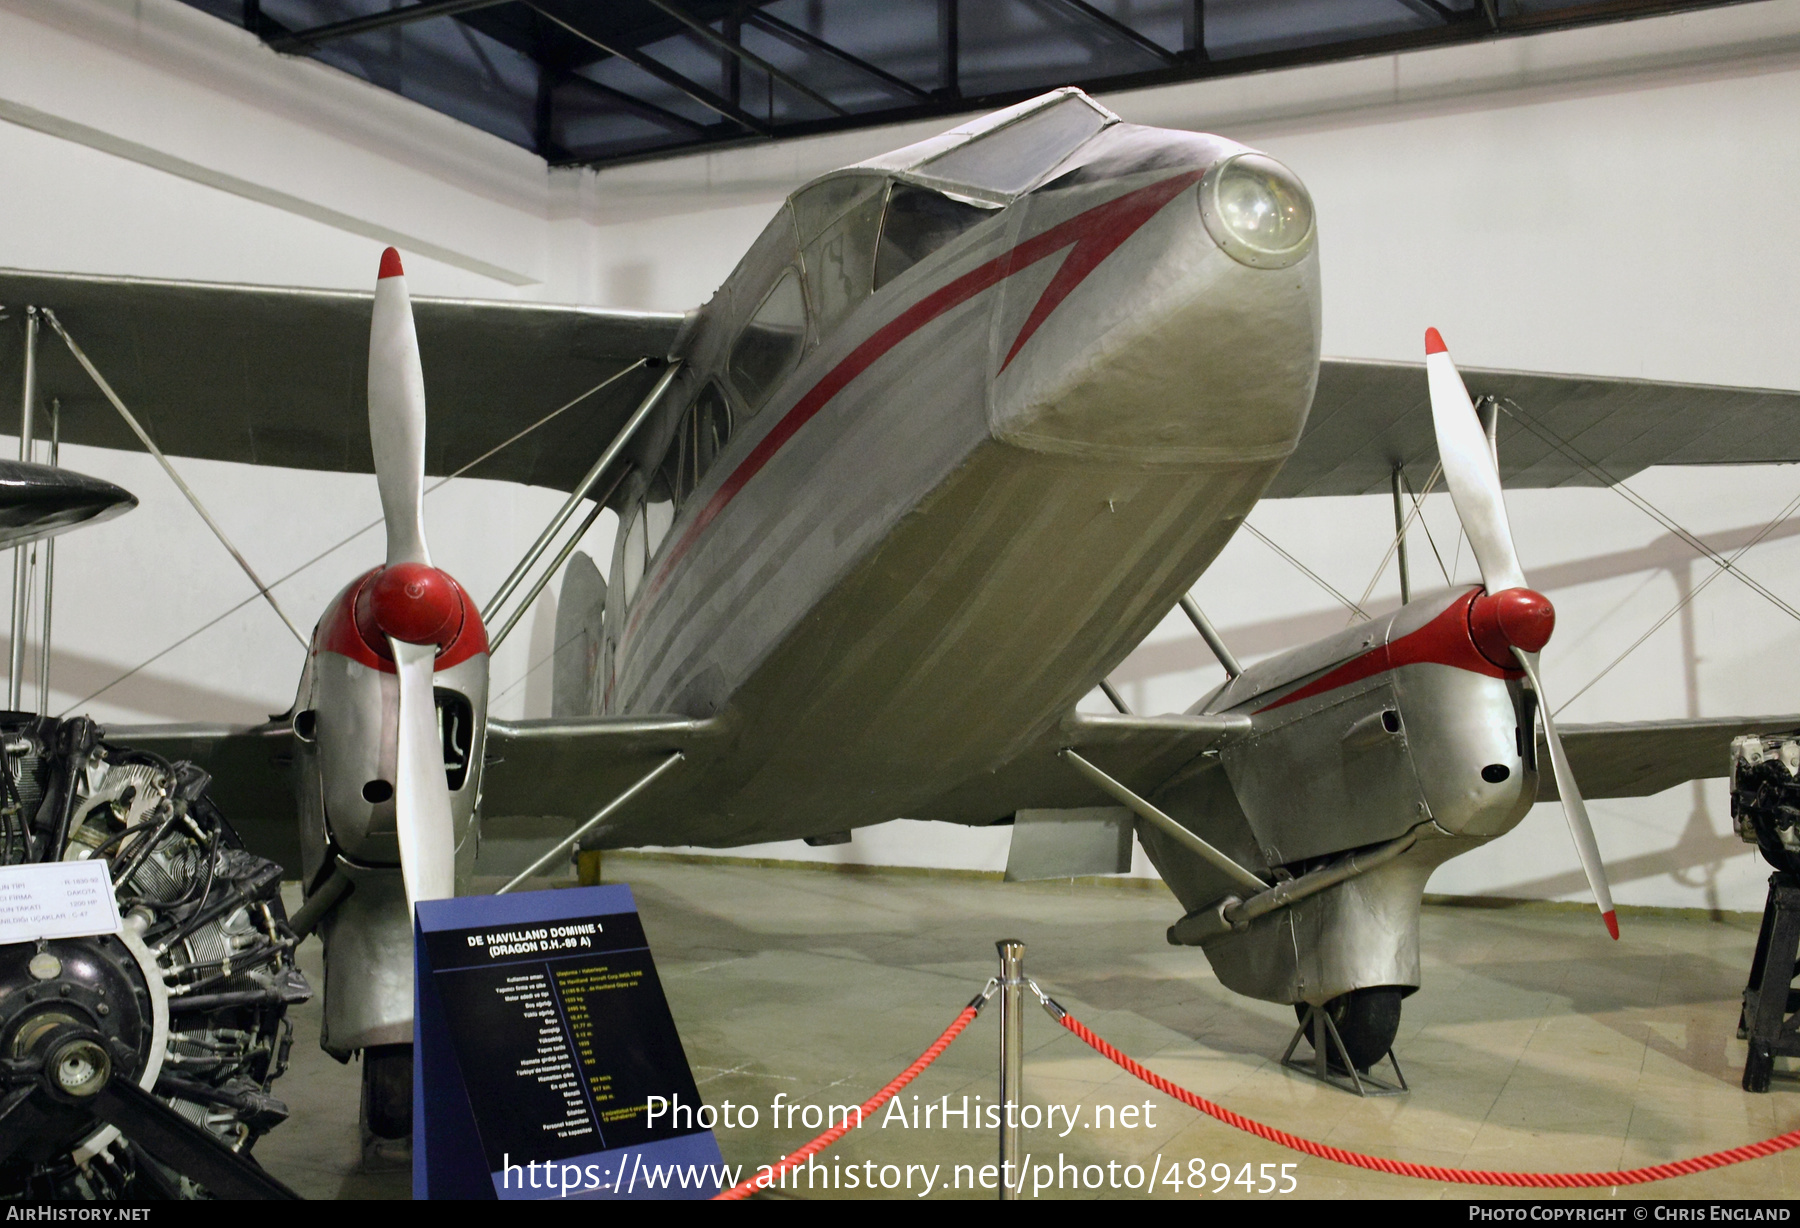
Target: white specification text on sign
(64, 899)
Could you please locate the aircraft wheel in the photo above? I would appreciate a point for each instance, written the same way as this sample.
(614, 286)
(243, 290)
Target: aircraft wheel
(387, 1076)
(1367, 1020)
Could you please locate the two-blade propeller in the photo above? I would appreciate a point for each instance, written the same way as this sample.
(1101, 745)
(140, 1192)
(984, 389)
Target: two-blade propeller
(416, 608)
(1509, 619)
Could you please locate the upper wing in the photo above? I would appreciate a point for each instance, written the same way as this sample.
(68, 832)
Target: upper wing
(277, 376)
(1369, 417)
(1640, 758)
(1141, 752)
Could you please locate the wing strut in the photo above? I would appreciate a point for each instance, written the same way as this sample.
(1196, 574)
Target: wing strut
(567, 510)
(1150, 814)
(1204, 626)
(605, 812)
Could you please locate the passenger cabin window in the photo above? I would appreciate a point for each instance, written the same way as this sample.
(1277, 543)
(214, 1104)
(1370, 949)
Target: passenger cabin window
(631, 555)
(839, 222)
(659, 514)
(704, 431)
(771, 343)
(919, 221)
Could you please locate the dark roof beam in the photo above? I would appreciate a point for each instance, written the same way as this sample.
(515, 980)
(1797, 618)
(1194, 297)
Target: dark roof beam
(649, 110)
(662, 72)
(737, 51)
(1433, 8)
(1118, 29)
(795, 37)
(299, 40)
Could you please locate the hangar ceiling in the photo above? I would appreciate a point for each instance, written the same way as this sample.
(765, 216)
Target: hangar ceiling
(593, 82)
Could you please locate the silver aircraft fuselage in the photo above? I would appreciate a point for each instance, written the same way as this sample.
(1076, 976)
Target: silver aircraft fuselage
(968, 501)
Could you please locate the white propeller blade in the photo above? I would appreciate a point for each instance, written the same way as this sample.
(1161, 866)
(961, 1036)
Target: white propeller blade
(1474, 483)
(397, 414)
(1574, 809)
(422, 794)
(1469, 471)
(422, 807)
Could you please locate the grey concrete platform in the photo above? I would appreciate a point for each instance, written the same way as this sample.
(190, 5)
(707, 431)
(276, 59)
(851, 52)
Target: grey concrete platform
(1535, 1044)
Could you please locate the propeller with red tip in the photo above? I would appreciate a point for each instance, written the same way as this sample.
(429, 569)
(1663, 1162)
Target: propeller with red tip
(1510, 622)
(410, 604)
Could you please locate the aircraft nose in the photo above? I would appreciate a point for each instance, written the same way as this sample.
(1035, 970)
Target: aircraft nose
(1185, 324)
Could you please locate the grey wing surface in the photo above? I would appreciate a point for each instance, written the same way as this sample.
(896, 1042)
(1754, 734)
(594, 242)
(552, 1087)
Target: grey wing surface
(541, 779)
(1555, 430)
(252, 768)
(1141, 752)
(277, 376)
(1639, 758)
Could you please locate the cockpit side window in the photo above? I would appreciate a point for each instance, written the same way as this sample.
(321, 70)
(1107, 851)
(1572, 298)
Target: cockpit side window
(771, 343)
(704, 431)
(918, 222)
(840, 256)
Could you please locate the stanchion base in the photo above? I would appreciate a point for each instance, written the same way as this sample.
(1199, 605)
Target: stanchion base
(1343, 1074)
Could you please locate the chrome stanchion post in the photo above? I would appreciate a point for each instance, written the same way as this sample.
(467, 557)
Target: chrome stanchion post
(15, 681)
(1012, 1060)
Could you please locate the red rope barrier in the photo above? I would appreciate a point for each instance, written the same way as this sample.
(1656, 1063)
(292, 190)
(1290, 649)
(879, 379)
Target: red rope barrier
(750, 1185)
(1429, 1172)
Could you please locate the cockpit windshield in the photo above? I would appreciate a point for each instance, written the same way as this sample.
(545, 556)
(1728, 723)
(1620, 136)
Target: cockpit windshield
(999, 156)
(1012, 158)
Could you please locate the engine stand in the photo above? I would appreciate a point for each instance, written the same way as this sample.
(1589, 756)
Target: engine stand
(1324, 1038)
(1770, 1019)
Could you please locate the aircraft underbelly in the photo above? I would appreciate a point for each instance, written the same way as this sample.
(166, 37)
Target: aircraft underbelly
(954, 642)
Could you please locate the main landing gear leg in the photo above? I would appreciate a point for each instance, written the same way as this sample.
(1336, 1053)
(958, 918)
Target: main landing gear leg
(386, 1117)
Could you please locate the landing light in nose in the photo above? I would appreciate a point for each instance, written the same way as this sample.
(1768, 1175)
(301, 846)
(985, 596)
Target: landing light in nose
(1512, 618)
(1257, 211)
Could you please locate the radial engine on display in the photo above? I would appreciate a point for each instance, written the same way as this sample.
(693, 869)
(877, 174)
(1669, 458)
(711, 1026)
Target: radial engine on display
(138, 1065)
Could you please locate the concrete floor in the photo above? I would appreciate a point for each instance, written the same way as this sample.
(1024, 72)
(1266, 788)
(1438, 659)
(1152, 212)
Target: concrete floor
(1535, 1043)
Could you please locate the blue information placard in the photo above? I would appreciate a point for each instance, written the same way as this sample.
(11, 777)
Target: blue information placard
(541, 1042)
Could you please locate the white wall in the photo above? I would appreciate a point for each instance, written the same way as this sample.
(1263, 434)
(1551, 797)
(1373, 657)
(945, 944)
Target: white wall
(1610, 201)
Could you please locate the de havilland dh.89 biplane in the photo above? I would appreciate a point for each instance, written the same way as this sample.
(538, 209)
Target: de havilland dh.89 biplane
(964, 424)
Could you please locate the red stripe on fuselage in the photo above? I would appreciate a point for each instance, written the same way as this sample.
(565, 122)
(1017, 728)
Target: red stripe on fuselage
(1094, 234)
(1445, 640)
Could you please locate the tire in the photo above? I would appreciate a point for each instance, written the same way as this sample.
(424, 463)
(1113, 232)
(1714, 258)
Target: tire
(387, 1099)
(1367, 1020)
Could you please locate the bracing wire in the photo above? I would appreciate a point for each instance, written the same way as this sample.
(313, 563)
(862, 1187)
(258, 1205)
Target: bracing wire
(339, 545)
(1723, 566)
(1513, 410)
(1310, 574)
(1419, 503)
(187, 491)
(1417, 513)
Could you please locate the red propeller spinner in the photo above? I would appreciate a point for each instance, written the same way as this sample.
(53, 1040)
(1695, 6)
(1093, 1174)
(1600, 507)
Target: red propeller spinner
(412, 602)
(1519, 618)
